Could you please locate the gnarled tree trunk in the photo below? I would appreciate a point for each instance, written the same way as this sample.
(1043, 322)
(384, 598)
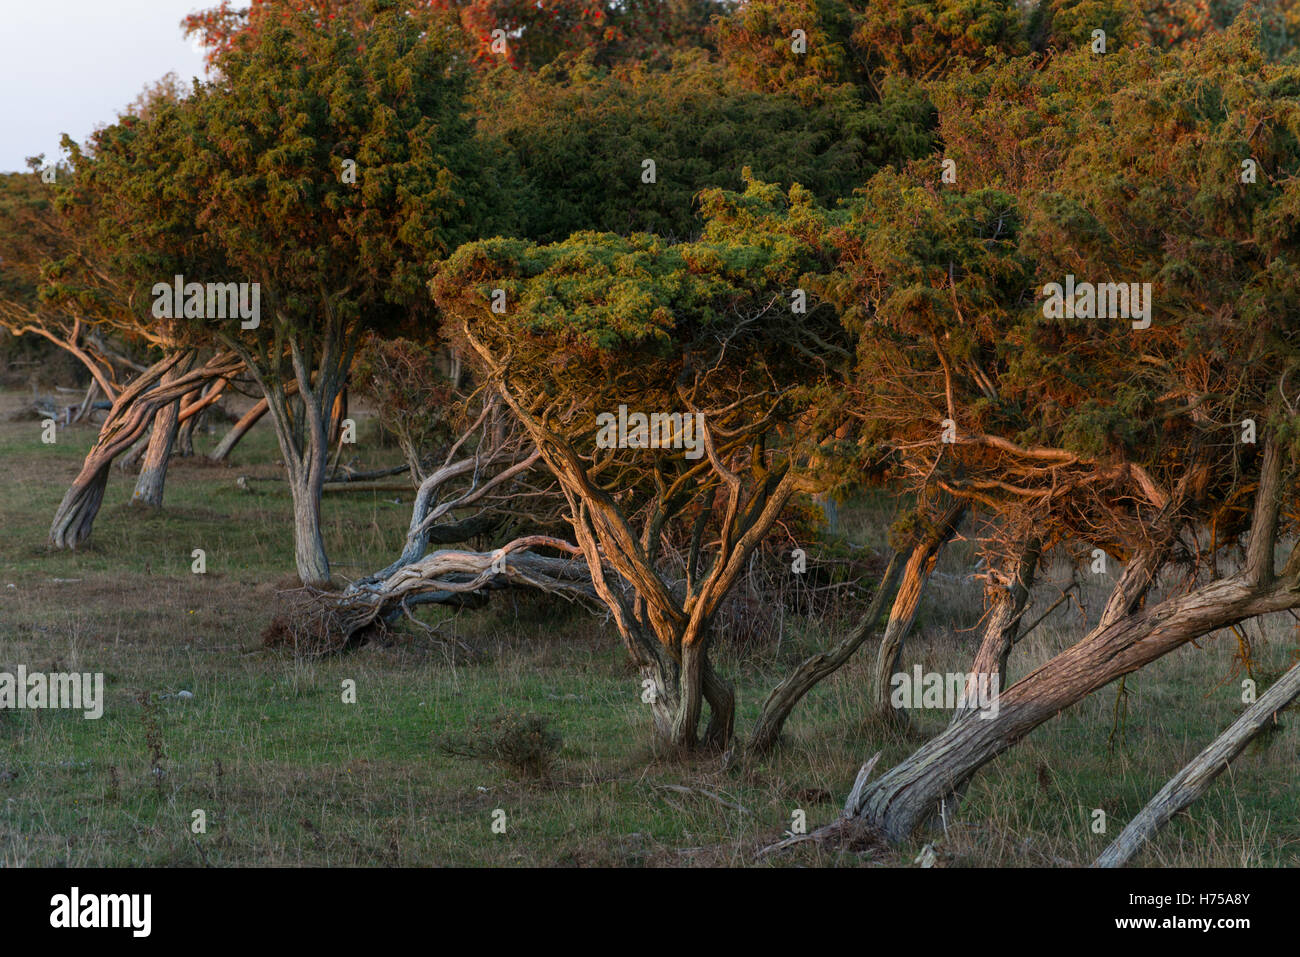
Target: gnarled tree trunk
(782, 699)
(238, 431)
(1129, 634)
(1126, 639)
(75, 516)
(131, 414)
(153, 471)
(1008, 600)
(448, 577)
(428, 515)
(920, 564)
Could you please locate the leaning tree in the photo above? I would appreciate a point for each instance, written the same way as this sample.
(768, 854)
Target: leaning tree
(33, 237)
(60, 281)
(321, 170)
(117, 204)
(85, 292)
(1154, 421)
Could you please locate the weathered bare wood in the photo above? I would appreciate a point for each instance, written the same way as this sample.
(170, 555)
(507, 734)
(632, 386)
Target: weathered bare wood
(302, 427)
(667, 635)
(428, 511)
(184, 446)
(683, 789)
(210, 394)
(1195, 779)
(860, 782)
(443, 575)
(847, 825)
(152, 480)
(1008, 599)
(915, 576)
(912, 791)
(192, 408)
(88, 402)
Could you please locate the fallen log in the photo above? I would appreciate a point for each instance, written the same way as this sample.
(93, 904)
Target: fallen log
(1195, 779)
(329, 622)
(344, 475)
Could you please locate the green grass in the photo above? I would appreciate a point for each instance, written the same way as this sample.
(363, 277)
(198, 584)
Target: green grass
(287, 774)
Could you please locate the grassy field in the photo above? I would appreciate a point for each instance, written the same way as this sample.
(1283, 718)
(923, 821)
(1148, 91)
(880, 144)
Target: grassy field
(286, 773)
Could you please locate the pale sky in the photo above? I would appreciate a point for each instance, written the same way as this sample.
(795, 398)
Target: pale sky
(67, 66)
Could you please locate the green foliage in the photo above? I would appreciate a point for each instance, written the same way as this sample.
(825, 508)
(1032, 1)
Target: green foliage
(925, 39)
(243, 179)
(55, 286)
(863, 43)
(757, 43)
(623, 298)
(535, 32)
(27, 237)
(1068, 24)
(1126, 168)
(599, 321)
(580, 134)
(270, 144)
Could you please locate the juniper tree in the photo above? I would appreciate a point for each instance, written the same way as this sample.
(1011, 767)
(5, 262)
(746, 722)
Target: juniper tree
(1092, 428)
(628, 148)
(324, 167)
(112, 213)
(810, 47)
(86, 279)
(59, 280)
(33, 236)
(676, 395)
(521, 34)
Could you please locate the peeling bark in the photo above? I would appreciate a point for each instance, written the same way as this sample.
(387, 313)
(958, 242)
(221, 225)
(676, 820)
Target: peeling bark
(916, 575)
(131, 414)
(449, 577)
(908, 794)
(1008, 601)
(153, 471)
